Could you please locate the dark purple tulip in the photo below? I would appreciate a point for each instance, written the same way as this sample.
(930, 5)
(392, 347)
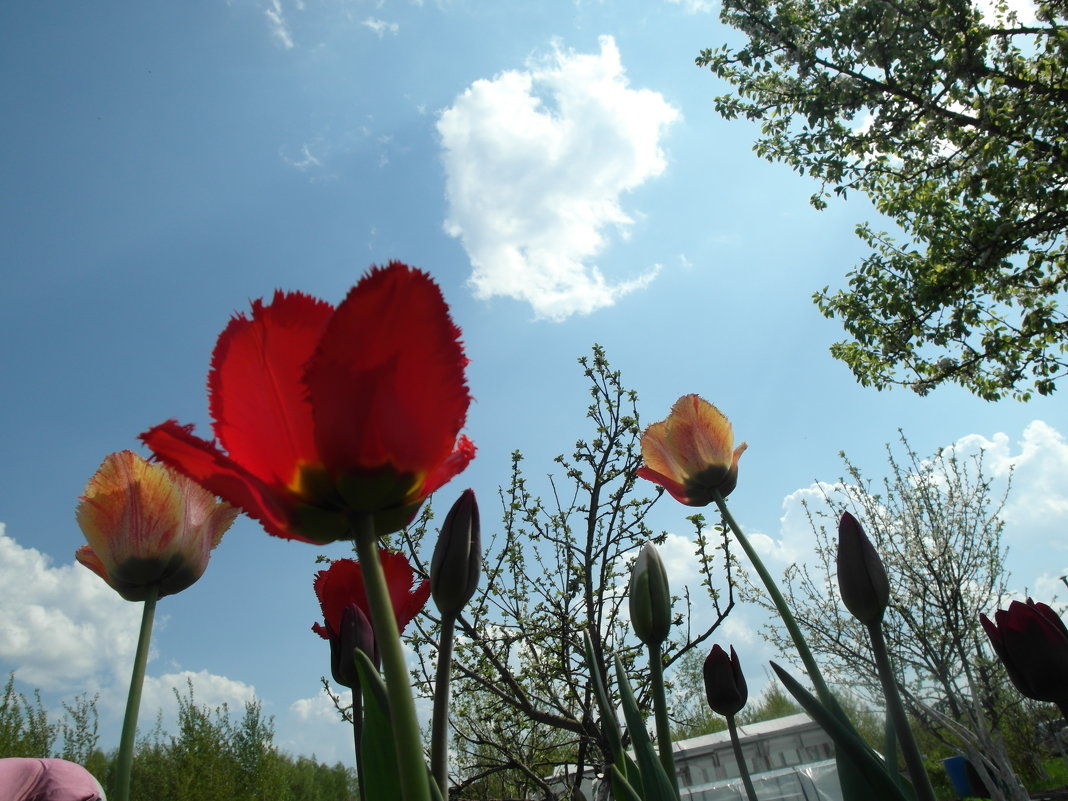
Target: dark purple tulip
(725, 686)
(1032, 642)
(861, 576)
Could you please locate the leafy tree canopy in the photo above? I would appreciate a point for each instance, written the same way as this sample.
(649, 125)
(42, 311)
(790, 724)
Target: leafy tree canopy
(954, 121)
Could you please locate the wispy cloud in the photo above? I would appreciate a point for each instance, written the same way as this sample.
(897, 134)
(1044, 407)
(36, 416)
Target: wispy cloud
(380, 26)
(536, 162)
(279, 28)
(305, 160)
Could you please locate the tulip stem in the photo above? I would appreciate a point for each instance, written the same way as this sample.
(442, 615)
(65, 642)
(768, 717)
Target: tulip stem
(743, 769)
(133, 700)
(785, 614)
(660, 710)
(439, 732)
(357, 736)
(414, 783)
(921, 782)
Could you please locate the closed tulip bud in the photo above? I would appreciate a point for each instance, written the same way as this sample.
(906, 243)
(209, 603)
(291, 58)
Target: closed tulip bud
(356, 632)
(725, 687)
(650, 599)
(861, 576)
(457, 562)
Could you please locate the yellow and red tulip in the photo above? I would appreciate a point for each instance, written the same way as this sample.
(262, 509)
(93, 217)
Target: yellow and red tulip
(692, 453)
(148, 525)
(321, 412)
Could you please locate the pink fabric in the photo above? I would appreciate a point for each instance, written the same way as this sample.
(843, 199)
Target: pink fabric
(46, 780)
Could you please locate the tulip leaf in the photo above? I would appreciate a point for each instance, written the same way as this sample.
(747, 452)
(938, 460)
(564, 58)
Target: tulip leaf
(379, 756)
(621, 788)
(656, 785)
(862, 774)
(608, 714)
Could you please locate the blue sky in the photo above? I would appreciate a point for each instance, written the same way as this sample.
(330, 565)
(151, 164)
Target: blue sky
(559, 169)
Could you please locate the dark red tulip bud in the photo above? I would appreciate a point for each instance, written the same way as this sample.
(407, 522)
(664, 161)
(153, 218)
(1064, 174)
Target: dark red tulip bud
(356, 632)
(861, 576)
(650, 598)
(457, 562)
(1032, 642)
(725, 686)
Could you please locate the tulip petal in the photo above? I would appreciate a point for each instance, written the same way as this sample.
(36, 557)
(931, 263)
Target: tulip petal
(677, 490)
(342, 585)
(176, 445)
(408, 598)
(87, 556)
(386, 384)
(130, 509)
(258, 401)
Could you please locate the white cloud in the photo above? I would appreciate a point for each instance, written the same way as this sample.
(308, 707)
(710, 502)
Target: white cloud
(209, 690)
(63, 627)
(320, 708)
(279, 28)
(1035, 513)
(380, 27)
(61, 623)
(695, 6)
(536, 162)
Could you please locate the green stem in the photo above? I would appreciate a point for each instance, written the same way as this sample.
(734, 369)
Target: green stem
(415, 785)
(921, 782)
(133, 700)
(660, 710)
(357, 735)
(787, 616)
(743, 771)
(439, 732)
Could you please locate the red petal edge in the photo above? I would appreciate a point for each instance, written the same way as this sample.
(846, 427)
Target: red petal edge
(176, 446)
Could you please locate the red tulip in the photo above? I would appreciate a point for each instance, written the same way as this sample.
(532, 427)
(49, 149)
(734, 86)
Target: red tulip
(147, 525)
(322, 412)
(692, 452)
(347, 615)
(1032, 642)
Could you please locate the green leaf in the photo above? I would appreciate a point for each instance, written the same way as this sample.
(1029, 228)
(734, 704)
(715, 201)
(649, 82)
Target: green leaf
(379, 758)
(656, 785)
(621, 788)
(863, 775)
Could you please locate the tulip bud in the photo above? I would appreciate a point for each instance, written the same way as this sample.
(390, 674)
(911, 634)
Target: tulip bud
(457, 562)
(861, 576)
(356, 632)
(650, 599)
(725, 686)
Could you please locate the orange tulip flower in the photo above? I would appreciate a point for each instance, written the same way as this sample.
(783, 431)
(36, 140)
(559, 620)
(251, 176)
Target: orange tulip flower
(322, 412)
(147, 525)
(690, 453)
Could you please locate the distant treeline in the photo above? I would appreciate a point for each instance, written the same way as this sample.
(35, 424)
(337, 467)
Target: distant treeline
(212, 757)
